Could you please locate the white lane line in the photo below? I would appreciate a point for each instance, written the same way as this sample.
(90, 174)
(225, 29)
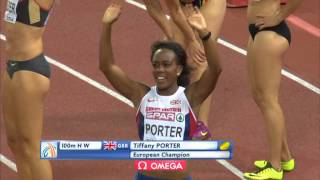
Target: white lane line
(90, 81)
(135, 3)
(232, 168)
(85, 78)
(300, 81)
(244, 52)
(8, 163)
(2, 37)
(232, 47)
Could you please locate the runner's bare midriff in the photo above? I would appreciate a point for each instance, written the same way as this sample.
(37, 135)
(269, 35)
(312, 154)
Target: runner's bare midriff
(261, 8)
(23, 41)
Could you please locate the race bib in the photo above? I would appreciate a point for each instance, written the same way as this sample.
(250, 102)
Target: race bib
(11, 11)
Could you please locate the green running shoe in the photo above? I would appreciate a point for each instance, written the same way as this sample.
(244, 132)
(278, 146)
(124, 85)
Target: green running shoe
(268, 172)
(286, 165)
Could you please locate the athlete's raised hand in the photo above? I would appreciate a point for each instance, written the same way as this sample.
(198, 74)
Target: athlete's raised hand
(195, 51)
(112, 13)
(196, 19)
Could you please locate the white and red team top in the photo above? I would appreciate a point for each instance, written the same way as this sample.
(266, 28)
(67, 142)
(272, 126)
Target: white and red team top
(165, 117)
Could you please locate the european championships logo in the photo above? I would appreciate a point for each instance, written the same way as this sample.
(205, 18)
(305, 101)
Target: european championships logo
(49, 149)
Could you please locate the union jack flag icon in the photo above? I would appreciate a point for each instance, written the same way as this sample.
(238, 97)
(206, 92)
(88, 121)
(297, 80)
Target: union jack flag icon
(109, 145)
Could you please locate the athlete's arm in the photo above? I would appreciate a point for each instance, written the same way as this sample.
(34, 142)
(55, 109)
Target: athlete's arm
(117, 77)
(278, 16)
(156, 12)
(180, 19)
(198, 91)
(194, 49)
(289, 8)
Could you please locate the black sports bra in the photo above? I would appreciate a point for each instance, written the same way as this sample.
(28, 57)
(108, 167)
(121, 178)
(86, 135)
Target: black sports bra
(27, 12)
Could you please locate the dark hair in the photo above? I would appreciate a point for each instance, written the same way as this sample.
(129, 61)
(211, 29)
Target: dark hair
(183, 79)
(195, 3)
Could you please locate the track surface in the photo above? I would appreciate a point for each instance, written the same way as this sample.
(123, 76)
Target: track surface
(78, 111)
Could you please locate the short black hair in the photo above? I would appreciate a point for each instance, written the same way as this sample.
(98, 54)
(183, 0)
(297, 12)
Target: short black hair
(184, 77)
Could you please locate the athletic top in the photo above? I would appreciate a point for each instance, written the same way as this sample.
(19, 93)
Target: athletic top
(197, 3)
(165, 117)
(27, 12)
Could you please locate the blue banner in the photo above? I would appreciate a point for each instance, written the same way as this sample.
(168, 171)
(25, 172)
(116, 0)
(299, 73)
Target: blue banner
(129, 150)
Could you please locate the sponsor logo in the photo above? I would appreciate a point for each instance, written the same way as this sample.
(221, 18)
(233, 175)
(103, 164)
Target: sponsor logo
(203, 133)
(164, 116)
(13, 64)
(142, 165)
(225, 146)
(109, 145)
(180, 117)
(164, 165)
(175, 102)
(157, 109)
(49, 150)
(152, 100)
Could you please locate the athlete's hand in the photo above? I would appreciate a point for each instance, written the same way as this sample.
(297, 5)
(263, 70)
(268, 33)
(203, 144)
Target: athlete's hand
(268, 21)
(195, 51)
(112, 13)
(196, 19)
(197, 22)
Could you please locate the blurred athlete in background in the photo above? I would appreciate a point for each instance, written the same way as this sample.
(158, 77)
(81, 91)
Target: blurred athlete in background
(25, 85)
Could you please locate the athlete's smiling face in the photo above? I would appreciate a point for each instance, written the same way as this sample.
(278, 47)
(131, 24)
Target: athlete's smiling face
(166, 71)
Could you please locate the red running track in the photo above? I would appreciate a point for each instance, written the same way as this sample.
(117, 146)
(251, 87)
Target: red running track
(79, 111)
